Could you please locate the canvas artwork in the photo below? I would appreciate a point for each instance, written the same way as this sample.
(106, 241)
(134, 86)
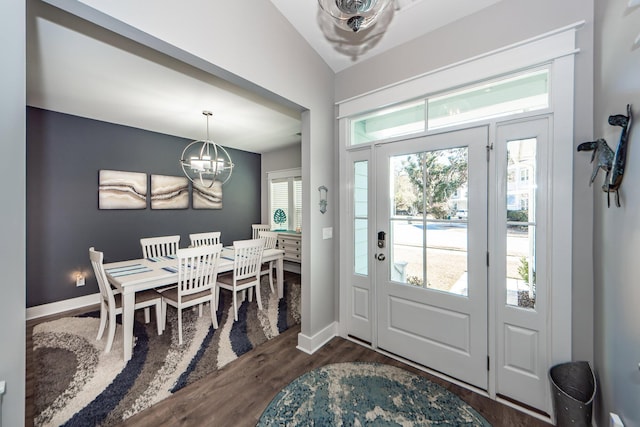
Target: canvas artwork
(169, 192)
(122, 190)
(207, 198)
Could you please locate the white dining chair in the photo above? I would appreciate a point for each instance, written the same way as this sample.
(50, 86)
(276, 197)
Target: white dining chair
(202, 239)
(111, 302)
(270, 241)
(197, 273)
(156, 247)
(256, 228)
(159, 246)
(245, 274)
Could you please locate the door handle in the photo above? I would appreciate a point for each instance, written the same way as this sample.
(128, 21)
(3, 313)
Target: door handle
(380, 257)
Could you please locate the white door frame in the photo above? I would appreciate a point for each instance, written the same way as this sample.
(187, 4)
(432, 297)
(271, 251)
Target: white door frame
(556, 49)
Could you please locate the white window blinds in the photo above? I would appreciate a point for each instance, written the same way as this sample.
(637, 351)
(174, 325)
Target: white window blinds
(285, 194)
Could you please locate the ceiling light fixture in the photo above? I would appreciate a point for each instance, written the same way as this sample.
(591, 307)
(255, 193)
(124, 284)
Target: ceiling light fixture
(354, 15)
(205, 162)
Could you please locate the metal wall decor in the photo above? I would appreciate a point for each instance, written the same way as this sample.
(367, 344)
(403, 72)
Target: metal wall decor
(612, 163)
(323, 198)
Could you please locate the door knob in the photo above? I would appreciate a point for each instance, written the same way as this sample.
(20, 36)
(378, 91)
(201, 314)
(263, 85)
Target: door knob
(380, 257)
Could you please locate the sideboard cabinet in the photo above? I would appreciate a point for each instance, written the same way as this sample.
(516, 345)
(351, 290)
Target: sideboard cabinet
(291, 244)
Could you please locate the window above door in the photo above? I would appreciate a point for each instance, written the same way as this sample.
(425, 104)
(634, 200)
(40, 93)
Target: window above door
(518, 93)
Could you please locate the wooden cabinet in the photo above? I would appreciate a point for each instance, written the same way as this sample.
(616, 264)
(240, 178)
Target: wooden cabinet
(291, 244)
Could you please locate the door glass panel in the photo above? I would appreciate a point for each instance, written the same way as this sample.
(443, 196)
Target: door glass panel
(428, 219)
(521, 223)
(361, 220)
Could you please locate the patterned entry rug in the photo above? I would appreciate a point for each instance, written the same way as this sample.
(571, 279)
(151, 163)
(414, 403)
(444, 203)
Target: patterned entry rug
(77, 384)
(367, 394)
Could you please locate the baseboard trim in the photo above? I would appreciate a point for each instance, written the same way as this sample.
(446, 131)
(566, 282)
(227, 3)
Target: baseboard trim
(312, 344)
(293, 267)
(60, 306)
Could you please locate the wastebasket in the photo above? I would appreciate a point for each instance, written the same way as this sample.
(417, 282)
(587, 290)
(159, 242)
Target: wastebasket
(573, 387)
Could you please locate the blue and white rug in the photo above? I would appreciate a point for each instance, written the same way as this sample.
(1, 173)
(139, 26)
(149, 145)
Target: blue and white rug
(77, 384)
(367, 394)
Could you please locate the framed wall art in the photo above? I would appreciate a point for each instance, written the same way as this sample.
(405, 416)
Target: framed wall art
(205, 197)
(122, 190)
(169, 192)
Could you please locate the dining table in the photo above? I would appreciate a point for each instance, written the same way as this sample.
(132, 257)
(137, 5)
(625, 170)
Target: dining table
(137, 275)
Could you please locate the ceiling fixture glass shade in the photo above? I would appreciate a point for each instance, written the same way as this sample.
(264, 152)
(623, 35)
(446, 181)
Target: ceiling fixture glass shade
(205, 162)
(354, 15)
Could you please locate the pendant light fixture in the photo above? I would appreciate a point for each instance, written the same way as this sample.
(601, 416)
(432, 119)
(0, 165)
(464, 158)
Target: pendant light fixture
(205, 162)
(354, 15)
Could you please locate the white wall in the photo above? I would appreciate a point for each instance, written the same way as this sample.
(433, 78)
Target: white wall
(502, 24)
(13, 223)
(617, 230)
(284, 158)
(254, 42)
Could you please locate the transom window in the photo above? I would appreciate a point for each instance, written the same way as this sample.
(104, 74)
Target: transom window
(516, 94)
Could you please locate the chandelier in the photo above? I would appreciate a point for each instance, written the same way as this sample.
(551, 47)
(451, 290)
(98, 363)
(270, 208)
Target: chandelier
(205, 162)
(354, 15)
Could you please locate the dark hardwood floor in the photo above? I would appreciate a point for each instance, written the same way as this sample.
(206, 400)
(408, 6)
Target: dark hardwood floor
(238, 393)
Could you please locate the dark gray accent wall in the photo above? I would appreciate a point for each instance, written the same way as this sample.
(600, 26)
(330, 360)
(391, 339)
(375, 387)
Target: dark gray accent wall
(64, 156)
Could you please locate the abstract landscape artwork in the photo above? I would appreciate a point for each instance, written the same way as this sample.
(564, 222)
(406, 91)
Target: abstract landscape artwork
(122, 190)
(169, 192)
(205, 197)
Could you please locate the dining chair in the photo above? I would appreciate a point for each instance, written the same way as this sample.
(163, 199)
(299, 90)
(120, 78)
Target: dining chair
(256, 228)
(159, 246)
(270, 241)
(201, 239)
(197, 272)
(111, 300)
(245, 274)
(156, 247)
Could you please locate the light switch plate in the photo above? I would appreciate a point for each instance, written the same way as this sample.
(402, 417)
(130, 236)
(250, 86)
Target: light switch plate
(327, 233)
(2, 387)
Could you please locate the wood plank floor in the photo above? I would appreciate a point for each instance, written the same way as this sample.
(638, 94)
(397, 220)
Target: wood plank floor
(238, 393)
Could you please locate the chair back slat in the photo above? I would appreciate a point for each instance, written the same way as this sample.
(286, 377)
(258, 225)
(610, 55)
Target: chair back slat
(197, 268)
(270, 239)
(159, 246)
(256, 228)
(97, 259)
(205, 239)
(247, 258)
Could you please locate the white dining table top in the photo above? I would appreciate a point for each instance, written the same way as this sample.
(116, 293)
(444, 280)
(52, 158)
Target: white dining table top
(165, 268)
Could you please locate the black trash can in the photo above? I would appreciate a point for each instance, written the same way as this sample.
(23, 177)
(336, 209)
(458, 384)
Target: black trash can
(573, 386)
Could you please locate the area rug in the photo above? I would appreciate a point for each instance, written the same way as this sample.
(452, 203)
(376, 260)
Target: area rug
(77, 384)
(367, 394)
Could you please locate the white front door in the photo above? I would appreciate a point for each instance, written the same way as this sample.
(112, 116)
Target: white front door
(431, 252)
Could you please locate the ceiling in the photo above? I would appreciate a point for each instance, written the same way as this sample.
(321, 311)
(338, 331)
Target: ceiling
(78, 68)
(407, 20)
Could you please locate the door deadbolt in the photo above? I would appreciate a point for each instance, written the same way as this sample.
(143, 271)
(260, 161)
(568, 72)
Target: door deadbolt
(380, 257)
